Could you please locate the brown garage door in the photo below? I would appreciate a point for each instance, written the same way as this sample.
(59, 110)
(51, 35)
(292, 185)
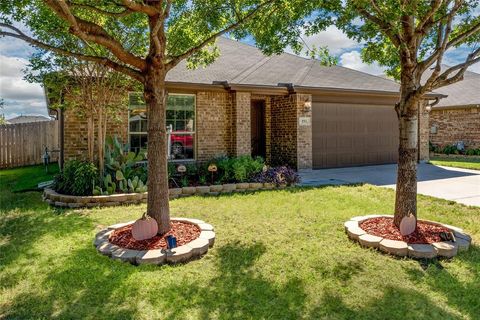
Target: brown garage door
(353, 134)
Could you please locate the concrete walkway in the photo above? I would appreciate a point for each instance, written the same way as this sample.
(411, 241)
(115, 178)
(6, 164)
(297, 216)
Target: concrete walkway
(459, 185)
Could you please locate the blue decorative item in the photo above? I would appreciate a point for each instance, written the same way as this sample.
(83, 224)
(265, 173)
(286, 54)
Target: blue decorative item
(171, 242)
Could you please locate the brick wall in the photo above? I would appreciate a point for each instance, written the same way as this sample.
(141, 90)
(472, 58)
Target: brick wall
(291, 144)
(241, 123)
(76, 132)
(453, 125)
(223, 128)
(283, 131)
(214, 125)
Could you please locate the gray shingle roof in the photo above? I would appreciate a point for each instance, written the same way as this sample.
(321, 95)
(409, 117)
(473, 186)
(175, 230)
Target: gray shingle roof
(242, 64)
(463, 93)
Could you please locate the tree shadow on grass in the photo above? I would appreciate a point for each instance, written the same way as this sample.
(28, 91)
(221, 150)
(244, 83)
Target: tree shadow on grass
(464, 295)
(82, 287)
(22, 227)
(238, 291)
(395, 303)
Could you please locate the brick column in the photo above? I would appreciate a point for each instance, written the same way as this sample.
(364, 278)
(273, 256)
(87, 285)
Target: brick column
(304, 131)
(241, 124)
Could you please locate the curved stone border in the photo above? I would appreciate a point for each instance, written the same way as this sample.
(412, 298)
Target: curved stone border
(446, 249)
(67, 201)
(189, 251)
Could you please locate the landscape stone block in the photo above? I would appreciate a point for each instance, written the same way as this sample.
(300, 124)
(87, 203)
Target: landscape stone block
(156, 256)
(199, 246)
(205, 227)
(446, 249)
(369, 241)
(355, 232)
(209, 235)
(394, 247)
(179, 254)
(125, 255)
(421, 251)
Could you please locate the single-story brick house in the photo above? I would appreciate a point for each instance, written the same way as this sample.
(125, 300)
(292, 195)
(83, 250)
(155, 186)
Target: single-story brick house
(286, 108)
(457, 117)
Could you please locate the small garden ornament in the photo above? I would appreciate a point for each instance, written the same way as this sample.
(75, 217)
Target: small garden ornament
(144, 228)
(408, 225)
(212, 168)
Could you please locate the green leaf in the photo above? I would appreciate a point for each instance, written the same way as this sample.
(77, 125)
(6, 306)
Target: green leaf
(119, 175)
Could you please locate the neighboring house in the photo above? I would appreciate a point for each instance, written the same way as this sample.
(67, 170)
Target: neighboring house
(27, 119)
(286, 108)
(457, 117)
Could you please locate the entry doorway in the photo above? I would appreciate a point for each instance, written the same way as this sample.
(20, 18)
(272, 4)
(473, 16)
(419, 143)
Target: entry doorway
(257, 125)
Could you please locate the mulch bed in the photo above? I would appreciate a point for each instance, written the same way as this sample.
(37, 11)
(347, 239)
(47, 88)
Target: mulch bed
(385, 228)
(184, 232)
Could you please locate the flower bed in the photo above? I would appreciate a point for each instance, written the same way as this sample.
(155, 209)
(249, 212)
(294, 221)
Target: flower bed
(68, 201)
(109, 242)
(371, 231)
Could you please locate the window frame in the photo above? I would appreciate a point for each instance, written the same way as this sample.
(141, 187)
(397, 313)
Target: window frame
(194, 132)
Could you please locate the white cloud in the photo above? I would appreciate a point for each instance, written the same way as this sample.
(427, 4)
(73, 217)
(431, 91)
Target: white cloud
(21, 97)
(336, 41)
(353, 60)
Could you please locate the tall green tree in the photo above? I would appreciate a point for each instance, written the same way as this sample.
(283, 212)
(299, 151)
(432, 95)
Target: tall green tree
(143, 40)
(411, 38)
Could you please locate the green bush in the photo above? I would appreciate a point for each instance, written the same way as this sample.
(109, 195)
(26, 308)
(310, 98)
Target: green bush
(239, 169)
(471, 152)
(450, 149)
(77, 178)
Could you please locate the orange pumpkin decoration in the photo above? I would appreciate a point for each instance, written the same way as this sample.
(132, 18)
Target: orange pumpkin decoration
(144, 228)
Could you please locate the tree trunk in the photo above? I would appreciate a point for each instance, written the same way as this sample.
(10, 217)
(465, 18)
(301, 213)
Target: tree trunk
(90, 137)
(155, 97)
(101, 143)
(406, 192)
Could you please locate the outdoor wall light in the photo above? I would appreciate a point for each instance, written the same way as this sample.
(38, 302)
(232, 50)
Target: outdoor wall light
(307, 106)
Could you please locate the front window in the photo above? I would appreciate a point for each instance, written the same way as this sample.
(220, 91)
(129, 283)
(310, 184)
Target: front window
(180, 125)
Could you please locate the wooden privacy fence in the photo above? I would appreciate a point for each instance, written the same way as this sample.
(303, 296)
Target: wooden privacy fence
(23, 144)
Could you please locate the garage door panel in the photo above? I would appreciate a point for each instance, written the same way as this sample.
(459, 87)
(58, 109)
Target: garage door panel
(353, 134)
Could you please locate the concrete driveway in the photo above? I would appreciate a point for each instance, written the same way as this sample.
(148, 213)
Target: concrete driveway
(459, 185)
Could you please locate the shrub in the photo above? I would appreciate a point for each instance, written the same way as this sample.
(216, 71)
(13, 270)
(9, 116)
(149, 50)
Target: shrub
(239, 169)
(77, 178)
(279, 176)
(471, 152)
(449, 149)
(119, 158)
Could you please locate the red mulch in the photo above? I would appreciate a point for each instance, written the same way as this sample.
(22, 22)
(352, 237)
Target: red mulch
(384, 227)
(184, 232)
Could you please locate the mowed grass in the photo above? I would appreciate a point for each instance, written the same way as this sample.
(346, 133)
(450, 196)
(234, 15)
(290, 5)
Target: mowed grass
(278, 255)
(473, 164)
(26, 178)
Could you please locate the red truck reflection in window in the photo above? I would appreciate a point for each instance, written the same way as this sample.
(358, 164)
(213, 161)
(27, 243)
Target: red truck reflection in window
(181, 145)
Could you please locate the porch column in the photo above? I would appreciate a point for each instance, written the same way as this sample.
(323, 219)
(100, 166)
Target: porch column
(304, 130)
(241, 124)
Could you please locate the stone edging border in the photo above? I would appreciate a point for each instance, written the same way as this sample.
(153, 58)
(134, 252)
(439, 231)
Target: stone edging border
(67, 201)
(445, 249)
(189, 251)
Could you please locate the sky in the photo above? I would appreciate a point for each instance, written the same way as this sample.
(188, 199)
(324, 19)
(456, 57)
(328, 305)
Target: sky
(21, 97)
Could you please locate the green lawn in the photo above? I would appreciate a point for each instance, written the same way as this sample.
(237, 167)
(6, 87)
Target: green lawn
(473, 164)
(26, 178)
(278, 255)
